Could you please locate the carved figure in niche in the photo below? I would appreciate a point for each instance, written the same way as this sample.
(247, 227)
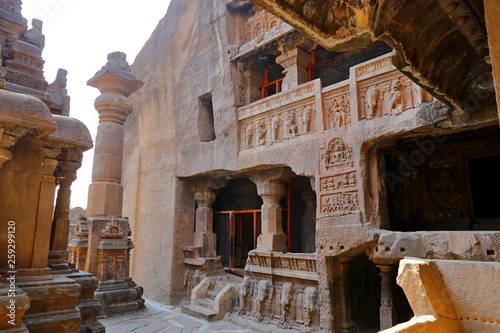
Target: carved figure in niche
(307, 115)
(275, 127)
(345, 181)
(445, 194)
(263, 294)
(242, 97)
(341, 203)
(261, 132)
(310, 298)
(371, 101)
(396, 98)
(291, 125)
(249, 135)
(285, 303)
(111, 269)
(245, 294)
(352, 180)
(324, 184)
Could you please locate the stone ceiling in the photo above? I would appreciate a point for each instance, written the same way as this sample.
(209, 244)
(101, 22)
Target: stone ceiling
(440, 44)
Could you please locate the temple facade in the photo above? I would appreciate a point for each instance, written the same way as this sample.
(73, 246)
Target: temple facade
(272, 171)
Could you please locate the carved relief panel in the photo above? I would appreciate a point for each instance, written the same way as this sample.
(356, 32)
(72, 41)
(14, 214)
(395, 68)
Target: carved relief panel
(278, 126)
(338, 180)
(337, 108)
(261, 22)
(389, 95)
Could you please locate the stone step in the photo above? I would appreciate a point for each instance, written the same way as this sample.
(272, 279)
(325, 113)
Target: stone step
(205, 303)
(212, 294)
(199, 312)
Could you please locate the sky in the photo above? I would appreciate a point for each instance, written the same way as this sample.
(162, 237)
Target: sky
(79, 34)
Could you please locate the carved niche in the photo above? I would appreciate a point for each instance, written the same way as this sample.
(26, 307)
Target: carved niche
(337, 156)
(338, 113)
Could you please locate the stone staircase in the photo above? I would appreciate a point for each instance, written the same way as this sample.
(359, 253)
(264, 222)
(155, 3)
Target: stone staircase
(212, 298)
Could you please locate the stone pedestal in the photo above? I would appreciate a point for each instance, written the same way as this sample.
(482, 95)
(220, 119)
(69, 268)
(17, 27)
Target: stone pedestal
(13, 304)
(388, 316)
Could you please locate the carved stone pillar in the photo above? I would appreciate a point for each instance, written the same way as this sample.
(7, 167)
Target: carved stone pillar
(271, 190)
(342, 297)
(294, 60)
(108, 242)
(204, 236)
(60, 225)
(492, 11)
(309, 222)
(254, 76)
(387, 311)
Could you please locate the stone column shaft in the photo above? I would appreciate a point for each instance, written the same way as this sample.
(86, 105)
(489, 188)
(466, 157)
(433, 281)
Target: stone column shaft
(343, 300)
(45, 210)
(272, 237)
(387, 311)
(204, 235)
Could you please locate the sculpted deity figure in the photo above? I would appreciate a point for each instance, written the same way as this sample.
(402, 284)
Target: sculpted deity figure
(245, 291)
(291, 125)
(307, 116)
(263, 294)
(261, 132)
(275, 127)
(310, 297)
(371, 101)
(249, 135)
(396, 98)
(285, 303)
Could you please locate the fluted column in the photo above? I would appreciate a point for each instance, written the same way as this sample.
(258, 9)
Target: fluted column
(387, 311)
(204, 236)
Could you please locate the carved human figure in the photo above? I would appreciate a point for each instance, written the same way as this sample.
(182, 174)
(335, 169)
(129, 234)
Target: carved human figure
(263, 294)
(275, 127)
(396, 98)
(371, 101)
(117, 61)
(307, 119)
(245, 294)
(291, 125)
(261, 132)
(310, 298)
(352, 180)
(285, 303)
(249, 132)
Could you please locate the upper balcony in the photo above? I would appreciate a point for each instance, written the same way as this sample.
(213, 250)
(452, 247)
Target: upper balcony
(374, 94)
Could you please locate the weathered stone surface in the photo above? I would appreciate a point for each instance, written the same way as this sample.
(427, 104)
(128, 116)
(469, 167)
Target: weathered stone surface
(446, 296)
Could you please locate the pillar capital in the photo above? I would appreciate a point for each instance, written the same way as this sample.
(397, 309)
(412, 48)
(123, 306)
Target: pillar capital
(204, 196)
(116, 77)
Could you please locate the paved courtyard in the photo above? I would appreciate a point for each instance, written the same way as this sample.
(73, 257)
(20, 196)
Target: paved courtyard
(166, 319)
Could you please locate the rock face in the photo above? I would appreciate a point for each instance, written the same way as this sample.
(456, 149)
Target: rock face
(247, 135)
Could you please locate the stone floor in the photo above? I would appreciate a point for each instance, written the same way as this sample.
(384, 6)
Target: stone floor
(166, 319)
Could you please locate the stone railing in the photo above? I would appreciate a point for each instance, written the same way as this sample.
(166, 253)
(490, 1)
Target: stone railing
(299, 265)
(376, 89)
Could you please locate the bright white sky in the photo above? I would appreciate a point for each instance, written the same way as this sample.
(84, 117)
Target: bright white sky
(79, 34)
